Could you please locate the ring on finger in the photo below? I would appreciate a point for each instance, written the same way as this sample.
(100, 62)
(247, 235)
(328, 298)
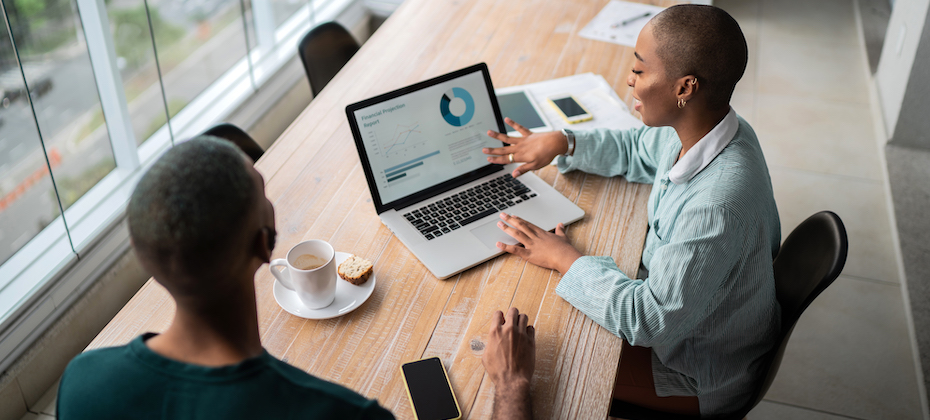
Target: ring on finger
(510, 157)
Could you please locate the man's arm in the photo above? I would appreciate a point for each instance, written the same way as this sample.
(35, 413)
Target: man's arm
(513, 403)
(510, 358)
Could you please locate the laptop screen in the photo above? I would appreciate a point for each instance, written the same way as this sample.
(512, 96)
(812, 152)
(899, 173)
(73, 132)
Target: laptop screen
(425, 135)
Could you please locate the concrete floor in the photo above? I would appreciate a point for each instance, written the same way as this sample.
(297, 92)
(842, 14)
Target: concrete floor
(806, 93)
(908, 171)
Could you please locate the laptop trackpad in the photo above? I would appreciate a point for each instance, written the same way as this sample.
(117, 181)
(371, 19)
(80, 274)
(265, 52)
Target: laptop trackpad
(489, 234)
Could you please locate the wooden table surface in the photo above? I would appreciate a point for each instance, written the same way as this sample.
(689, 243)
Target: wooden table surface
(318, 189)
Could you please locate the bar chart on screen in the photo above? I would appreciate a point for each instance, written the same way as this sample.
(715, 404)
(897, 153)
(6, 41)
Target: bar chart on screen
(398, 172)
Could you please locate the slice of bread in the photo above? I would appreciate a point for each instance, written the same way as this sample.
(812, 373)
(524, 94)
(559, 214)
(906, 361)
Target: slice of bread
(355, 270)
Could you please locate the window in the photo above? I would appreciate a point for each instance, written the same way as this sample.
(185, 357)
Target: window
(52, 124)
(92, 92)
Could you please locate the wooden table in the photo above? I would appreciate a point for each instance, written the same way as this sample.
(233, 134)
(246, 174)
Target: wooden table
(318, 188)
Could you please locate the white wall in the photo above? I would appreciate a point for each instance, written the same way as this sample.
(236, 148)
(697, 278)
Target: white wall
(898, 52)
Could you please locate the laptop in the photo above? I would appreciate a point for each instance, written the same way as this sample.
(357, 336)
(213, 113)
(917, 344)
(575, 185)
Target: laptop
(420, 147)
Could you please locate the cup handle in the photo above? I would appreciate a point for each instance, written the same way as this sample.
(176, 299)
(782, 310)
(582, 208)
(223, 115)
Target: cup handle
(283, 276)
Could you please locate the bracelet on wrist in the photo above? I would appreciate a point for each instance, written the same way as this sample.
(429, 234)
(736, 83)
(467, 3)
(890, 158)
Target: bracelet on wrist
(570, 138)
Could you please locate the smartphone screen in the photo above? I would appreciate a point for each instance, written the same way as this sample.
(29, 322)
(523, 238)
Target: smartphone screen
(568, 106)
(517, 107)
(429, 390)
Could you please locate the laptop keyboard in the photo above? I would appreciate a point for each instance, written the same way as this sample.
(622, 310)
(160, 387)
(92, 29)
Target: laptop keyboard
(444, 216)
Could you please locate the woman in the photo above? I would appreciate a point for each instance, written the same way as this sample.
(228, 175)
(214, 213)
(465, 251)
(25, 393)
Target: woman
(707, 313)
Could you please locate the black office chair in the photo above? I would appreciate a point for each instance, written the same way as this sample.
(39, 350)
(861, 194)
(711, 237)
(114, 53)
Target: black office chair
(235, 135)
(810, 259)
(324, 50)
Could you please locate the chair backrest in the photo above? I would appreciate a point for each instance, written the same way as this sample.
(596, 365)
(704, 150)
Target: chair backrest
(324, 50)
(238, 137)
(811, 257)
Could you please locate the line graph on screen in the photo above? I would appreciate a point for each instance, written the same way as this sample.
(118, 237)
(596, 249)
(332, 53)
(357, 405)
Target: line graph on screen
(405, 137)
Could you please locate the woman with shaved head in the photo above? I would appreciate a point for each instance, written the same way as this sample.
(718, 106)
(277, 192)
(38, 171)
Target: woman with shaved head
(697, 327)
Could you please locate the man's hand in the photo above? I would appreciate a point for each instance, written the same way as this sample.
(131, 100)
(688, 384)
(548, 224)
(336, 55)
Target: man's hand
(542, 248)
(510, 358)
(536, 150)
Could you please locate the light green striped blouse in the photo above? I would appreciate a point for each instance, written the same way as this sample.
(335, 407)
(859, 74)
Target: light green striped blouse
(708, 307)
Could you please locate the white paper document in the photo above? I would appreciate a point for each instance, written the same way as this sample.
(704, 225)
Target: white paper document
(620, 22)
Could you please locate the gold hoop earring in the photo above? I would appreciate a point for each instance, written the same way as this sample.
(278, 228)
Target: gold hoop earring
(681, 103)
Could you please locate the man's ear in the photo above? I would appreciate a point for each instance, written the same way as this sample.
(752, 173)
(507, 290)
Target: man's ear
(686, 87)
(263, 244)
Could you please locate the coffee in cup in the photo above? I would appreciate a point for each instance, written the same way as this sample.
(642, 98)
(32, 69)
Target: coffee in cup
(310, 271)
(308, 262)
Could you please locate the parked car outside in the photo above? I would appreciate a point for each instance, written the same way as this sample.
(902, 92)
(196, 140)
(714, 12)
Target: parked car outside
(11, 83)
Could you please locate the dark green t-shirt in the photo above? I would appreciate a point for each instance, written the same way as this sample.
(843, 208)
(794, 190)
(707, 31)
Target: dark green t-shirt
(133, 382)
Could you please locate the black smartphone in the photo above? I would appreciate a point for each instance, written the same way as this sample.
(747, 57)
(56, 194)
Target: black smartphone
(518, 107)
(429, 390)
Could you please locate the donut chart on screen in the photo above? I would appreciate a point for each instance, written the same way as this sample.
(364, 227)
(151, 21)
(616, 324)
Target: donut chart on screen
(457, 120)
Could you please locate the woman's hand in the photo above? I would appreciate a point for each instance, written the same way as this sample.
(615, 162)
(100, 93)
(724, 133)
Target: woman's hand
(547, 250)
(535, 149)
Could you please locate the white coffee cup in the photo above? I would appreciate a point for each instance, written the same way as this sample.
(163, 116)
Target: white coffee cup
(316, 287)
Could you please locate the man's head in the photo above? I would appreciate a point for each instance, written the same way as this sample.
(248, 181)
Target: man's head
(199, 217)
(705, 42)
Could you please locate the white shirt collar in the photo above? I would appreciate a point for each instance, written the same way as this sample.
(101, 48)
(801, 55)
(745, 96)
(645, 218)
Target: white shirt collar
(706, 149)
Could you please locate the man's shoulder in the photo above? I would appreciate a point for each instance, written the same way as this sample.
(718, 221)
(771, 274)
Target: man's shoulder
(99, 361)
(104, 368)
(110, 373)
(134, 381)
(301, 380)
(102, 355)
(110, 364)
(322, 393)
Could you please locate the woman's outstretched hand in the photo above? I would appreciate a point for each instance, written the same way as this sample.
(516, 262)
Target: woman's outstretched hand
(536, 150)
(542, 248)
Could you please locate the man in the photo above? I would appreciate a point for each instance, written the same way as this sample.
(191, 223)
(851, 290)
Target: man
(201, 224)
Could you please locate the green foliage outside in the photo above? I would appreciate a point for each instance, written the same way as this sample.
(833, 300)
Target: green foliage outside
(42, 26)
(171, 56)
(30, 8)
(71, 189)
(131, 33)
(175, 105)
(96, 120)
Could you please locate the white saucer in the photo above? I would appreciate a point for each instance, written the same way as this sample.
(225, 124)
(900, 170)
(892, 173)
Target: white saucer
(348, 297)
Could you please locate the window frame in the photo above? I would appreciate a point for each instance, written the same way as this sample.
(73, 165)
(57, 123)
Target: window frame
(48, 274)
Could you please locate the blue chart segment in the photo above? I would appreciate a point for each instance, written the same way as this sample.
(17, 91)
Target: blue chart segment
(457, 120)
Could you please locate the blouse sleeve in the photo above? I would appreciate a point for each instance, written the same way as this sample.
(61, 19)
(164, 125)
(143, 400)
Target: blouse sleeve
(683, 288)
(632, 153)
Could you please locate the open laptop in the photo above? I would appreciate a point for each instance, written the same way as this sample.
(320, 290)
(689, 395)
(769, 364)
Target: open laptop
(430, 183)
